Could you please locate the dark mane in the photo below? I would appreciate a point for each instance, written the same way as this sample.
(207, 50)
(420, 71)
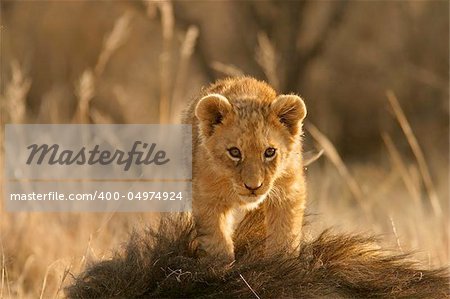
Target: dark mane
(161, 263)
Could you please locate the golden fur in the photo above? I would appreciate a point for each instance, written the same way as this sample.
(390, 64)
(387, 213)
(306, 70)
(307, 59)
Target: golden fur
(245, 114)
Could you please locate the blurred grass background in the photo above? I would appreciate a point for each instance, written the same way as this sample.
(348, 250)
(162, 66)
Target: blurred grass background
(374, 75)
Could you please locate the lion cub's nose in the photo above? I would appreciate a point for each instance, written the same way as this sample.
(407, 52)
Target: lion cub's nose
(252, 187)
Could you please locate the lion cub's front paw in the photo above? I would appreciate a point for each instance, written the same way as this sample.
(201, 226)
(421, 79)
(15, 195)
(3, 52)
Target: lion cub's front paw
(215, 257)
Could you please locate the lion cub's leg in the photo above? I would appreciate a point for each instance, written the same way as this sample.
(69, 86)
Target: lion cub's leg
(214, 229)
(283, 219)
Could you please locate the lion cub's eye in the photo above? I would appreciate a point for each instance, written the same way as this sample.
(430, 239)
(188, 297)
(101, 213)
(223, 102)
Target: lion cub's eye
(270, 153)
(234, 153)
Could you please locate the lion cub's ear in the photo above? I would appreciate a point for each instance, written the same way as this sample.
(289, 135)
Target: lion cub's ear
(290, 110)
(211, 110)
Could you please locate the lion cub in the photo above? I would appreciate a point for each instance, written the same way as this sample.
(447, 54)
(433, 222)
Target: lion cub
(247, 152)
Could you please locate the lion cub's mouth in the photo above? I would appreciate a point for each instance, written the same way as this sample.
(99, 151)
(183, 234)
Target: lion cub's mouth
(252, 199)
(250, 196)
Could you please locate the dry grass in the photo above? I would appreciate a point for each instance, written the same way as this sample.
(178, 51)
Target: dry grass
(167, 22)
(39, 249)
(332, 154)
(186, 51)
(399, 164)
(85, 88)
(267, 58)
(416, 149)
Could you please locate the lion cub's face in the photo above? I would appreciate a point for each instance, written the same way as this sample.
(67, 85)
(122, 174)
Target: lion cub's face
(249, 140)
